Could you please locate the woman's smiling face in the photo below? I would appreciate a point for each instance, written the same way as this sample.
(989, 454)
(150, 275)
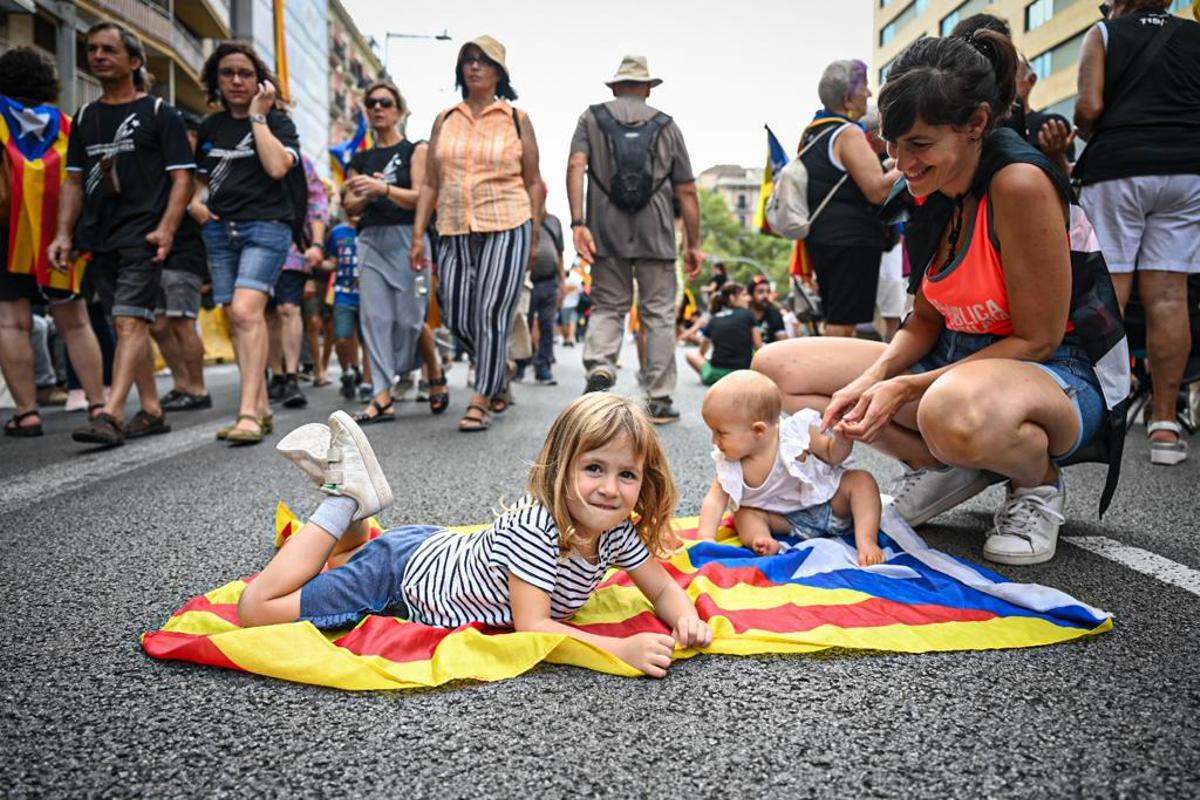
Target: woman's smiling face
(935, 156)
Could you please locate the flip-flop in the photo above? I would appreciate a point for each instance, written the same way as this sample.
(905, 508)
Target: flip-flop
(476, 424)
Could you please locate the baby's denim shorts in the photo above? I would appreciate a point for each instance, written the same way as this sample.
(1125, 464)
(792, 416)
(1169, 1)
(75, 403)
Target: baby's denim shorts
(818, 520)
(1069, 367)
(369, 583)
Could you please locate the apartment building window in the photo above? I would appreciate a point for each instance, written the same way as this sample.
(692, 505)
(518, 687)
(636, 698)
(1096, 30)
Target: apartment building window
(963, 11)
(1038, 14)
(1178, 6)
(741, 201)
(911, 12)
(883, 73)
(1058, 57)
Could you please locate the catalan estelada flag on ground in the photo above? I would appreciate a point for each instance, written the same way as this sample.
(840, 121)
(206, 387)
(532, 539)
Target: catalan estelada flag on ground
(35, 147)
(777, 159)
(341, 153)
(810, 598)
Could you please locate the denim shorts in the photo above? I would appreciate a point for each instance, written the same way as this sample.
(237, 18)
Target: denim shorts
(345, 321)
(245, 255)
(369, 583)
(816, 521)
(1069, 367)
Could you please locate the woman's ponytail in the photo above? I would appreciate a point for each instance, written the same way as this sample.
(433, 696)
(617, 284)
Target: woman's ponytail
(1000, 52)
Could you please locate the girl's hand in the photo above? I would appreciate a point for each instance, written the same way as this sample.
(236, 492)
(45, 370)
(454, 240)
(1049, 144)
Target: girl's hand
(416, 254)
(845, 399)
(875, 408)
(692, 631)
(648, 652)
(264, 99)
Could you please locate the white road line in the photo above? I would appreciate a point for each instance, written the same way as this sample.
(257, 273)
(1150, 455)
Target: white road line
(1143, 561)
(78, 473)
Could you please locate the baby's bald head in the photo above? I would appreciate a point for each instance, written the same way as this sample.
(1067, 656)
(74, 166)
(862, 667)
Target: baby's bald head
(744, 394)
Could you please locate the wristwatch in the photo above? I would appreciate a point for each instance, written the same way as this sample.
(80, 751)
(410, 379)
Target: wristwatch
(258, 119)
(577, 223)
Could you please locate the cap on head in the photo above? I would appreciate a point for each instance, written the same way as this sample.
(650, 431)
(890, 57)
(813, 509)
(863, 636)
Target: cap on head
(633, 69)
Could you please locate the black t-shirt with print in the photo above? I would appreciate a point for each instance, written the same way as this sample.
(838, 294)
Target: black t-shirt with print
(771, 324)
(395, 164)
(148, 139)
(238, 186)
(729, 332)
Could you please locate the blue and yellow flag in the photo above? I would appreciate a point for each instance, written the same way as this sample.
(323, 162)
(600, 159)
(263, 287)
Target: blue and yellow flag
(776, 160)
(340, 154)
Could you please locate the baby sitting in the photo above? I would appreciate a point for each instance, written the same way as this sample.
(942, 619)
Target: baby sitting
(782, 475)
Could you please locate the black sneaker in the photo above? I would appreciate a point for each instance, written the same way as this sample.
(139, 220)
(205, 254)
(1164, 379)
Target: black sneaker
(171, 399)
(544, 377)
(183, 401)
(198, 401)
(291, 396)
(348, 384)
(598, 381)
(661, 411)
(275, 388)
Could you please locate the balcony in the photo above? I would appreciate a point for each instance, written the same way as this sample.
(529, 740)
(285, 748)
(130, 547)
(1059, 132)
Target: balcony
(160, 29)
(209, 18)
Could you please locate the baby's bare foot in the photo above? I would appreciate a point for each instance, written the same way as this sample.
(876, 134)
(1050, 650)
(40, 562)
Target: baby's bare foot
(765, 545)
(869, 555)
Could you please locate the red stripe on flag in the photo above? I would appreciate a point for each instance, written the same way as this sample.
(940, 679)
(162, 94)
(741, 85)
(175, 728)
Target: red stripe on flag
(172, 646)
(16, 163)
(226, 611)
(871, 613)
(52, 185)
(397, 641)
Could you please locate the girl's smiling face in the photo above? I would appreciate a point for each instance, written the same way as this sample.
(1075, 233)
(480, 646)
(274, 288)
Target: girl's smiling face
(604, 486)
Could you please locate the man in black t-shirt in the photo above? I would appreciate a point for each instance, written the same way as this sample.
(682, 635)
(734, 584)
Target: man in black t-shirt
(767, 314)
(128, 183)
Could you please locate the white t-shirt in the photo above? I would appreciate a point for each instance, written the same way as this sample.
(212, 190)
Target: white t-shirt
(454, 580)
(571, 299)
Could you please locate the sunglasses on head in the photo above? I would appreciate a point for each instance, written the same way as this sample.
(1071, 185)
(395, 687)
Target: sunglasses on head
(381, 102)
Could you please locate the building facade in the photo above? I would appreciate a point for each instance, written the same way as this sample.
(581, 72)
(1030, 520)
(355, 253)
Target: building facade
(738, 186)
(353, 66)
(1048, 32)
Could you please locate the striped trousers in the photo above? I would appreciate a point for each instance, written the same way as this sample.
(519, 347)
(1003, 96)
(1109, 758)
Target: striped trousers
(480, 276)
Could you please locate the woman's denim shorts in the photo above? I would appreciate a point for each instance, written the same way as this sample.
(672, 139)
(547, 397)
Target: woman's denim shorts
(245, 255)
(369, 583)
(1070, 368)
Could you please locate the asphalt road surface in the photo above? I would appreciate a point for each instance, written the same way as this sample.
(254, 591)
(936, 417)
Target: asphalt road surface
(96, 548)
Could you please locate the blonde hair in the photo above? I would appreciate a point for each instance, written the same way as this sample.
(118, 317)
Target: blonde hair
(589, 423)
(751, 394)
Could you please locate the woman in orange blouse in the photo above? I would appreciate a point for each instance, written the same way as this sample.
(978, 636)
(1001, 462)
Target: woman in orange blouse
(483, 180)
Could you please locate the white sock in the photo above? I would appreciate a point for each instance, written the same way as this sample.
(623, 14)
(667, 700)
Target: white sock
(335, 514)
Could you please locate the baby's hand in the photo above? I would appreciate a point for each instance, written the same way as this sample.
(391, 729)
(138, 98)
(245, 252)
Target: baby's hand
(869, 555)
(765, 546)
(692, 631)
(648, 652)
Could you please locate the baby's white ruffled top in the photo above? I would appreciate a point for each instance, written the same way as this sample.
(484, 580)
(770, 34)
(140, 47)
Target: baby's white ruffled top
(798, 479)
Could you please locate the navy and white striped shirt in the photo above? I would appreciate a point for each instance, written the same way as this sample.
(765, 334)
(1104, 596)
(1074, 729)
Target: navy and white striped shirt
(453, 579)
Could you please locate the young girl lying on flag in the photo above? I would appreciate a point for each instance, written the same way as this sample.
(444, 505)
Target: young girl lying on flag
(536, 565)
(782, 476)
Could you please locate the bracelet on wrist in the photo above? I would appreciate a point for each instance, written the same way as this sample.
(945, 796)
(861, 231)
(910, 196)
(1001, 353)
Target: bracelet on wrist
(578, 223)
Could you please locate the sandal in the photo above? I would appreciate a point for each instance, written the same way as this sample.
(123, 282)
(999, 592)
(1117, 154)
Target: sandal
(499, 403)
(241, 436)
(1163, 453)
(93, 407)
(475, 424)
(438, 401)
(102, 429)
(14, 427)
(382, 414)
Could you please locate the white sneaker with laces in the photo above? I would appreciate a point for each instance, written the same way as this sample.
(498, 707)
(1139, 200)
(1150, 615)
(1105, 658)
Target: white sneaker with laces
(919, 495)
(352, 469)
(308, 448)
(1026, 529)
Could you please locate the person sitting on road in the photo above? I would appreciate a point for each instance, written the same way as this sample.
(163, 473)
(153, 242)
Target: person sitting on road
(782, 475)
(733, 333)
(988, 376)
(532, 569)
(766, 312)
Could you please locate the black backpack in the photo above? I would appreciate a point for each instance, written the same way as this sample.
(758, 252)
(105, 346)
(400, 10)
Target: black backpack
(295, 184)
(631, 149)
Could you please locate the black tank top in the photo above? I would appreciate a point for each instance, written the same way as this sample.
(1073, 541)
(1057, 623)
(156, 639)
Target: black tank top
(1153, 128)
(849, 220)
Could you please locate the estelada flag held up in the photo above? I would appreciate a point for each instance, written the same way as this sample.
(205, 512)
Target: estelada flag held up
(35, 147)
(777, 159)
(340, 154)
(810, 598)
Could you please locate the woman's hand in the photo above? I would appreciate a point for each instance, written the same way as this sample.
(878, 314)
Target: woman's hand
(648, 652)
(264, 99)
(846, 398)
(201, 213)
(367, 186)
(416, 254)
(691, 631)
(876, 407)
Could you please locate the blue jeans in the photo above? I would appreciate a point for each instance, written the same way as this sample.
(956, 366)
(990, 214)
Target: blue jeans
(1069, 367)
(816, 521)
(369, 583)
(245, 255)
(543, 308)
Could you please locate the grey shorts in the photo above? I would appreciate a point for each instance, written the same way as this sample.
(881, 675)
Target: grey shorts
(179, 294)
(1147, 222)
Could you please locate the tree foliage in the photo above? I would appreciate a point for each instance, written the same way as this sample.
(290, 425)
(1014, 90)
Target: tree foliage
(724, 239)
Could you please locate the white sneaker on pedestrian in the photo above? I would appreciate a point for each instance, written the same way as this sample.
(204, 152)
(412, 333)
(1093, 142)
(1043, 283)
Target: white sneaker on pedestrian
(308, 448)
(919, 495)
(1026, 529)
(353, 471)
(76, 400)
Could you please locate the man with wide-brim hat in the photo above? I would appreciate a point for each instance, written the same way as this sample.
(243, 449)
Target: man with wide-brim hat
(637, 164)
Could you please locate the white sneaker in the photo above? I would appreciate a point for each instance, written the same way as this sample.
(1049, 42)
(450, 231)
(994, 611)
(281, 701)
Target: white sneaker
(1026, 529)
(353, 471)
(921, 494)
(76, 400)
(308, 448)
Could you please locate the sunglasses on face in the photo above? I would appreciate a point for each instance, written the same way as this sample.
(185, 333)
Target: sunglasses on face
(381, 102)
(480, 60)
(229, 73)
